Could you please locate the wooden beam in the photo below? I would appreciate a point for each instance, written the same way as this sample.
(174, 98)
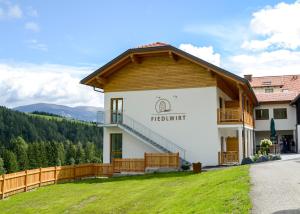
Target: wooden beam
(135, 59)
(101, 80)
(173, 56)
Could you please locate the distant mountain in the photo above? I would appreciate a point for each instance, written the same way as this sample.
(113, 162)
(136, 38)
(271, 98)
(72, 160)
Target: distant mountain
(85, 113)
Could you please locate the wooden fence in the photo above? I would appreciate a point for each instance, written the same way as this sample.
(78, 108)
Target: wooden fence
(129, 165)
(22, 181)
(155, 160)
(166, 160)
(13, 183)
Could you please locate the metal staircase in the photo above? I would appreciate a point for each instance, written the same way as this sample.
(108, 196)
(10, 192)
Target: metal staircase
(143, 133)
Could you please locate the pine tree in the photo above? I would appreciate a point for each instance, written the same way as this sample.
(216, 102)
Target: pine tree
(71, 154)
(10, 161)
(80, 155)
(2, 170)
(19, 147)
(61, 153)
(90, 152)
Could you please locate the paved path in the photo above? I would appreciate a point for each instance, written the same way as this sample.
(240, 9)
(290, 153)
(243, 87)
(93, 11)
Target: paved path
(276, 186)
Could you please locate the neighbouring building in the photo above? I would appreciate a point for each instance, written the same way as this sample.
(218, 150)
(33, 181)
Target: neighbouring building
(158, 98)
(277, 97)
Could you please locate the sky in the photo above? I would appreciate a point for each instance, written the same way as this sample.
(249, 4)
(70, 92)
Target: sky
(47, 47)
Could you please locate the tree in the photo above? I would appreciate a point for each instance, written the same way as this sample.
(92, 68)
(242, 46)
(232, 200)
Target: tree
(10, 161)
(80, 155)
(2, 170)
(90, 152)
(19, 147)
(61, 156)
(70, 153)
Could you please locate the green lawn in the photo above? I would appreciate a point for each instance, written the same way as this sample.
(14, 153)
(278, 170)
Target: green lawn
(218, 191)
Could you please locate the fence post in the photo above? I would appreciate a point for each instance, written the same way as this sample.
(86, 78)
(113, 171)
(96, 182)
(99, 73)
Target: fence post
(74, 172)
(40, 176)
(26, 180)
(55, 175)
(3, 187)
(145, 161)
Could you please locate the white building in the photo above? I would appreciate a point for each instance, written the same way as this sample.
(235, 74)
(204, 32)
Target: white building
(161, 99)
(275, 94)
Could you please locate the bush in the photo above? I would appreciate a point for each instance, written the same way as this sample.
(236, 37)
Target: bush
(185, 166)
(265, 145)
(247, 161)
(276, 157)
(262, 158)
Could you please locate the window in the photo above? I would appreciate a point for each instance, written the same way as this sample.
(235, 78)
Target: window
(280, 113)
(269, 90)
(262, 114)
(267, 83)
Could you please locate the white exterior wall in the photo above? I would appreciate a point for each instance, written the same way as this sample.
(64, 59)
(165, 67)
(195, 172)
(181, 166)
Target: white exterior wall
(197, 134)
(131, 147)
(280, 124)
(298, 138)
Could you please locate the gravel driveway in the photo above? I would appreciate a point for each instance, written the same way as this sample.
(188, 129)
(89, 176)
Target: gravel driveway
(276, 187)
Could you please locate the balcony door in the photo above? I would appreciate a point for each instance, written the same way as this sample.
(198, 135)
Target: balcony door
(116, 110)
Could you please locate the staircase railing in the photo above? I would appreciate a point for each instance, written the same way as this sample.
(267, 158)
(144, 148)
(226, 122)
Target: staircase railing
(129, 122)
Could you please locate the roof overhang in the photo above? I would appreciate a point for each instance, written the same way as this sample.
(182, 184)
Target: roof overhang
(134, 55)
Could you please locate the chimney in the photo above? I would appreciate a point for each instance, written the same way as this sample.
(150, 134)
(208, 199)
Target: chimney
(248, 77)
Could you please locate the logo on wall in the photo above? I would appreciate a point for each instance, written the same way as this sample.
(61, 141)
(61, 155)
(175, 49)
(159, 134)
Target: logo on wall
(162, 105)
(164, 111)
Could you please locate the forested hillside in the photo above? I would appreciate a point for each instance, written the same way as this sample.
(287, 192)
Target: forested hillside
(27, 141)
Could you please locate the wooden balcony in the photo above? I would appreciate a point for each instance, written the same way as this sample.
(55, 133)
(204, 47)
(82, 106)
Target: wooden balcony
(230, 157)
(234, 116)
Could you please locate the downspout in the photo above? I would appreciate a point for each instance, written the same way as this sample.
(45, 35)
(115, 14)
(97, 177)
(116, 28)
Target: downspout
(243, 132)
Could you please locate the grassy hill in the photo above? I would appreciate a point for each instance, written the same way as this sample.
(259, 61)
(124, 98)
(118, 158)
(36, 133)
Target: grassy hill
(217, 191)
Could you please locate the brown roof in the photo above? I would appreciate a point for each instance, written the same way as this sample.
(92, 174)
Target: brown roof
(154, 44)
(160, 47)
(290, 85)
(276, 96)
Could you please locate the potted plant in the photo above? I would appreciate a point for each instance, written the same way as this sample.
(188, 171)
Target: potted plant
(265, 146)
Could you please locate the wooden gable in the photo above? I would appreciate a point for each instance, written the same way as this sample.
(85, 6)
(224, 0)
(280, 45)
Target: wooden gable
(159, 72)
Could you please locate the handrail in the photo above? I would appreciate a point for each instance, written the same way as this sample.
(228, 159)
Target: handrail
(122, 119)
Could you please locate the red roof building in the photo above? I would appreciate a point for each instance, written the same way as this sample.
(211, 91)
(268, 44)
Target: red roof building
(275, 89)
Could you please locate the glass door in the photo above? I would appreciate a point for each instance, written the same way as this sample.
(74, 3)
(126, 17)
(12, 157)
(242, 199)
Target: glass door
(115, 146)
(116, 110)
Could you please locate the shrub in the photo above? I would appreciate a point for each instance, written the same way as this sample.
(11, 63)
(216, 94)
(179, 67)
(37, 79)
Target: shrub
(262, 158)
(185, 166)
(265, 145)
(247, 161)
(276, 157)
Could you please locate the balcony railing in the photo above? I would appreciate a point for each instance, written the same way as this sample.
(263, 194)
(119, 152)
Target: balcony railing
(230, 157)
(234, 115)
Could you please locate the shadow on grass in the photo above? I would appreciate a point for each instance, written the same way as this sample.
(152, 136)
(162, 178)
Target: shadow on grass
(133, 177)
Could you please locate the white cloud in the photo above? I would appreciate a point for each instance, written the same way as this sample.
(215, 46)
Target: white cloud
(9, 10)
(33, 26)
(34, 44)
(15, 11)
(277, 62)
(22, 84)
(277, 27)
(205, 53)
(32, 12)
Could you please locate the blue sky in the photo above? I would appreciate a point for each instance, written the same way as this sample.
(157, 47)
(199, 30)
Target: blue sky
(74, 37)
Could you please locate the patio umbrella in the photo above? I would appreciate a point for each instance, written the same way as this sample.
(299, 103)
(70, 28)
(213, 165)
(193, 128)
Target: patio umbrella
(273, 130)
(273, 133)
